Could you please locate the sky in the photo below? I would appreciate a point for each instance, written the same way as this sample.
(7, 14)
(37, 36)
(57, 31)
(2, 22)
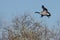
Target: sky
(11, 8)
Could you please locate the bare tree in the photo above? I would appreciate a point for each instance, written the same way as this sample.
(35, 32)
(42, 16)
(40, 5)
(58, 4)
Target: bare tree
(25, 28)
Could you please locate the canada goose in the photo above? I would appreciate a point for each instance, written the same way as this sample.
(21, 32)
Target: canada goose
(44, 12)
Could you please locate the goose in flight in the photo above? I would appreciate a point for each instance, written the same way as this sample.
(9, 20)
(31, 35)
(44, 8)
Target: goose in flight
(44, 12)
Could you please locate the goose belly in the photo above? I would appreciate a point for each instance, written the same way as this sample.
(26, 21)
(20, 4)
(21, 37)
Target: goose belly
(44, 13)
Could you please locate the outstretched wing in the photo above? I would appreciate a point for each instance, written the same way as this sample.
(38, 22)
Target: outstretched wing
(37, 12)
(44, 9)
